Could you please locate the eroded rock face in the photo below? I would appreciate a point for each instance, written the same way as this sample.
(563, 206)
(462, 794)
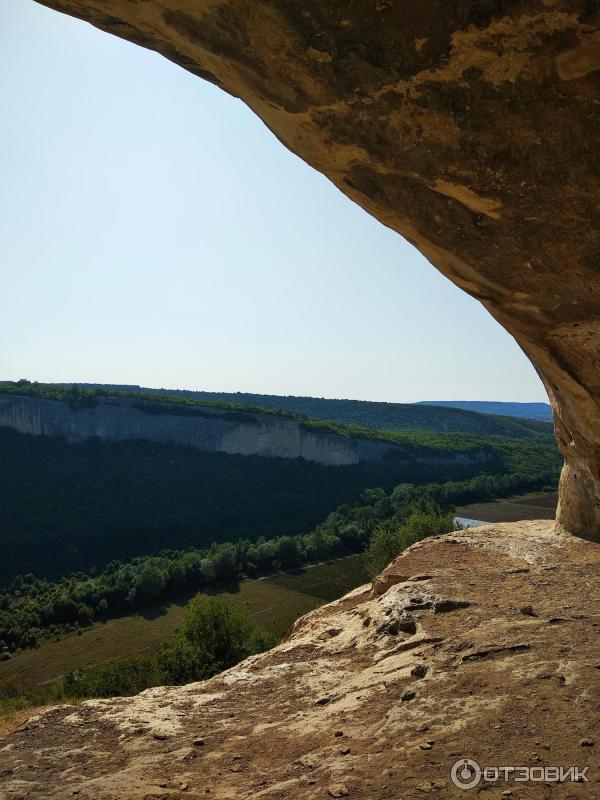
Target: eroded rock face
(481, 644)
(217, 430)
(471, 128)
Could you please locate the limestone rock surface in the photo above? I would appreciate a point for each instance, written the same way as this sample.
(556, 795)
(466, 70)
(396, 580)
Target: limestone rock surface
(500, 665)
(217, 430)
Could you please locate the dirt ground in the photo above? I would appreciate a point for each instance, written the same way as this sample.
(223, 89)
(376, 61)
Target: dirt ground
(513, 509)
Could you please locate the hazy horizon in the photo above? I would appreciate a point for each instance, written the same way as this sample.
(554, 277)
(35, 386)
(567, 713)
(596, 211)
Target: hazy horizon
(244, 391)
(156, 233)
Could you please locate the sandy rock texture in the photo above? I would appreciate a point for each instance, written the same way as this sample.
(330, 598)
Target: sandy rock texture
(470, 127)
(483, 644)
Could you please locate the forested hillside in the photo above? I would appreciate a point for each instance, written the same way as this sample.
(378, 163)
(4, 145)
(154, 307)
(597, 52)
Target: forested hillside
(73, 506)
(539, 411)
(378, 416)
(33, 608)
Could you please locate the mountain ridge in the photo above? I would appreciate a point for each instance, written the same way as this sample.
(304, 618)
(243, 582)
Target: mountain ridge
(91, 476)
(537, 411)
(377, 415)
(119, 417)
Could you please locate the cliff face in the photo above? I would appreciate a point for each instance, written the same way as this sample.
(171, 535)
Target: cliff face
(480, 645)
(468, 127)
(117, 418)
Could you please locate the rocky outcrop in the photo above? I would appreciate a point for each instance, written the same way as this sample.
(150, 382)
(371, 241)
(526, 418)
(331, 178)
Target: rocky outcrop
(468, 127)
(214, 429)
(481, 644)
(220, 430)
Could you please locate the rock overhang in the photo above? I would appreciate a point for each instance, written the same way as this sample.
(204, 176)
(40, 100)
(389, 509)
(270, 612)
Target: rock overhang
(469, 128)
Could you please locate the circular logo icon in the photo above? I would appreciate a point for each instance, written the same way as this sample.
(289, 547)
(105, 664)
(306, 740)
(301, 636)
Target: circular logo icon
(466, 773)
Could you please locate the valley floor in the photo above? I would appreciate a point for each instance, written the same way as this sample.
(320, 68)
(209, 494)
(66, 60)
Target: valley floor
(512, 509)
(273, 603)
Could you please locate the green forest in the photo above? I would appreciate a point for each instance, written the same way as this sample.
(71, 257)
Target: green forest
(213, 636)
(67, 506)
(354, 413)
(33, 608)
(98, 530)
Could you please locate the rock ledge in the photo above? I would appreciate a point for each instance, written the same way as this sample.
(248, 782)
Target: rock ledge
(501, 665)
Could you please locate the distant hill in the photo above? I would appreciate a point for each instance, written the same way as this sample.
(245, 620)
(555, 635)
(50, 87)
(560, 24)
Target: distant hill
(91, 475)
(538, 411)
(209, 426)
(368, 414)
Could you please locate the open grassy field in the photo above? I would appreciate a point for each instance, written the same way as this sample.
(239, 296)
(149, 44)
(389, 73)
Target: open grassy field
(325, 581)
(512, 509)
(273, 603)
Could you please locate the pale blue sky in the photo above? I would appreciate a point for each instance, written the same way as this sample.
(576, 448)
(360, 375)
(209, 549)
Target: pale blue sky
(153, 231)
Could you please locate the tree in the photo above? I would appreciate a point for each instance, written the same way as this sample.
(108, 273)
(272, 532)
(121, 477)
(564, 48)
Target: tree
(225, 564)
(389, 540)
(213, 637)
(177, 575)
(288, 553)
(207, 570)
(85, 615)
(149, 584)
(385, 545)
(65, 610)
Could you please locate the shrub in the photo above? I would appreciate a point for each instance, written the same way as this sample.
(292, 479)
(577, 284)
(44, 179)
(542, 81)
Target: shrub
(388, 541)
(213, 636)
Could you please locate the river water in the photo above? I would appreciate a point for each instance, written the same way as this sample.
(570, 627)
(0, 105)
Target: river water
(470, 523)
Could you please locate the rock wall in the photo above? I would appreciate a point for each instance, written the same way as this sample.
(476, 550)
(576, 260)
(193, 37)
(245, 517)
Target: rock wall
(117, 418)
(468, 127)
(478, 645)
